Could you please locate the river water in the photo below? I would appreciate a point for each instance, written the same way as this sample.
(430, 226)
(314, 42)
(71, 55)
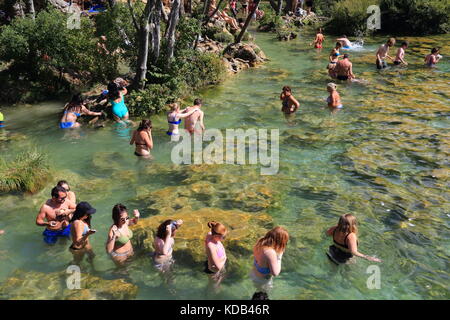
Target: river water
(383, 157)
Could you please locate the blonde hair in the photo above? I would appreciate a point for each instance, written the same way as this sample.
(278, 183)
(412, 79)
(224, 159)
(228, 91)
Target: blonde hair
(174, 106)
(391, 41)
(332, 86)
(277, 239)
(347, 224)
(217, 228)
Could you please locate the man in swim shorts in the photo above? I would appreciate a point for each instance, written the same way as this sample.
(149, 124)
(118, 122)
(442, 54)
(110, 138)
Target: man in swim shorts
(191, 121)
(343, 69)
(401, 54)
(57, 211)
(383, 53)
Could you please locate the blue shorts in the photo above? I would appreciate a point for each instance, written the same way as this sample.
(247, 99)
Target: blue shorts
(66, 125)
(346, 47)
(50, 236)
(1, 124)
(171, 133)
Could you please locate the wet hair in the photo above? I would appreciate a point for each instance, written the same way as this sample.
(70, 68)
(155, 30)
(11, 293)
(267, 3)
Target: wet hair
(338, 44)
(405, 43)
(260, 296)
(113, 91)
(346, 56)
(78, 214)
(162, 232)
(391, 41)
(56, 190)
(287, 88)
(144, 125)
(347, 224)
(197, 102)
(276, 239)
(434, 50)
(217, 229)
(75, 103)
(117, 211)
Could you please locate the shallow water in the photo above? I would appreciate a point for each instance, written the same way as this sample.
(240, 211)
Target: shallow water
(383, 157)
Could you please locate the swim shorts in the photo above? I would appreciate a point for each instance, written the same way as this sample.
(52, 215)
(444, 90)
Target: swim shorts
(342, 78)
(381, 65)
(51, 236)
(66, 125)
(397, 62)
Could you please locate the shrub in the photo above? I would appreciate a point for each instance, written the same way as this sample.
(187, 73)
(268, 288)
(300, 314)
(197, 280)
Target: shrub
(270, 21)
(223, 37)
(29, 172)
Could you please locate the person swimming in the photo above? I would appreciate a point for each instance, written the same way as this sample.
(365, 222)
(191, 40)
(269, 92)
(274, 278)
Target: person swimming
(318, 41)
(433, 58)
(268, 253)
(334, 100)
(174, 119)
(215, 253)
(74, 109)
(142, 138)
(346, 44)
(345, 241)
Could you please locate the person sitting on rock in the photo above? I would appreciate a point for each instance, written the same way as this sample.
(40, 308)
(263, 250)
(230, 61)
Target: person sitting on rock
(229, 20)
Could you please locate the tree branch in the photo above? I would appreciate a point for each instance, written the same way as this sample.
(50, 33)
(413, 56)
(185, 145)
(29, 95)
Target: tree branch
(136, 26)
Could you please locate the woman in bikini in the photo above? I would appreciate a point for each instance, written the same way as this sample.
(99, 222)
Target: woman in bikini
(174, 117)
(318, 40)
(74, 109)
(334, 99)
(142, 138)
(215, 253)
(333, 59)
(268, 253)
(80, 230)
(345, 241)
(163, 244)
(289, 103)
(118, 245)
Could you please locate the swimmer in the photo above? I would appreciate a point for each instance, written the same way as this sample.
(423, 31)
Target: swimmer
(174, 119)
(433, 58)
(118, 245)
(163, 244)
(70, 194)
(80, 231)
(345, 241)
(268, 253)
(74, 109)
(116, 92)
(57, 211)
(318, 40)
(289, 104)
(399, 58)
(334, 100)
(215, 253)
(196, 117)
(383, 53)
(333, 59)
(142, 138)
(346, 44)
(343, 69)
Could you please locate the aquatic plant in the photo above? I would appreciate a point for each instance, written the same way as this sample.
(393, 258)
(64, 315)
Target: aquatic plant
(28, 172)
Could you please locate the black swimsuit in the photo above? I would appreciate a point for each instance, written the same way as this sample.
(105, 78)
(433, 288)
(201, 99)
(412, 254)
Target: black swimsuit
(336, 254)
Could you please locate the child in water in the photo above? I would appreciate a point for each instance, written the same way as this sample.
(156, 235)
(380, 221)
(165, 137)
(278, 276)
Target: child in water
(433, 58)
(401, 54)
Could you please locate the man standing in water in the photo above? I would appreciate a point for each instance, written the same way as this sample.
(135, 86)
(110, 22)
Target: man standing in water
(343, 69)
(57, 211)
(191, 121)
(401, 54)
(383, 52)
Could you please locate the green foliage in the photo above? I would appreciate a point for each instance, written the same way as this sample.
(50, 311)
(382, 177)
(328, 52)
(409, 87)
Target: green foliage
(29, 172)
(416, 17)
(223, 37)
(350, 17)
(270, 22)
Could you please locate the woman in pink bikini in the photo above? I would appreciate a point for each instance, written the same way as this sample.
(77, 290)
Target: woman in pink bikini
(215, 252)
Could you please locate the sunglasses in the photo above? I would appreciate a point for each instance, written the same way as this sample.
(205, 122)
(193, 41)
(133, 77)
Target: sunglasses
(124, 219)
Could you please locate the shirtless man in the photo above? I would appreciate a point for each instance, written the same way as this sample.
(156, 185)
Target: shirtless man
(383, 53)
(343, 69)
(433, 58)
(346, 44)
(57, 211)
(401, 54)
(191, 121)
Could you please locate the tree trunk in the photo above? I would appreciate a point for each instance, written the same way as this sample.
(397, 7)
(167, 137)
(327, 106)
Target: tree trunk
(188, 6)
(279, 7)
(143, 36)
(173, 21)
(205, 8)
(156, 30)
(182, 13)
(247, 22)
(31, 12)
(111, 3)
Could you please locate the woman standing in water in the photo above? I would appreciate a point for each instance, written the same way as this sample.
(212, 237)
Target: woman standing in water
(119, 245)
(289, 103)
(268, 253)
(334, 99)
(318, 40)
(142, 138)
(174, 119)
(345, 241)
(74, 109)
(80, 231)
(215, 253)
(163, 244)
(333, 60)
(116, 92)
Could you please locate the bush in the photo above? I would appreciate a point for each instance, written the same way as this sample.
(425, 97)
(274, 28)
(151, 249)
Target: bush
(223, 37)
(415, 17)
(29, 172)
(270, 22)
(350, 17)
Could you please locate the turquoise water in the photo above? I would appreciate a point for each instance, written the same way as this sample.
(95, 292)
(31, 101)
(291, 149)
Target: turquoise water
(384, 158)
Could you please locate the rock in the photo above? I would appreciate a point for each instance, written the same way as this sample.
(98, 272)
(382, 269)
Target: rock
(26, 285)
(249, 53)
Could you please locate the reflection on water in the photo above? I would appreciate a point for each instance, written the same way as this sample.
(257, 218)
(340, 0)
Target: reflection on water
(383, 157)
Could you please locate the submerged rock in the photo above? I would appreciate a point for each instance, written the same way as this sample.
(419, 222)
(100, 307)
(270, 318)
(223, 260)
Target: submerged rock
(33, 285)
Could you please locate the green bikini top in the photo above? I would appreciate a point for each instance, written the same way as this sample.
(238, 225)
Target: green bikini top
(123, 239)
